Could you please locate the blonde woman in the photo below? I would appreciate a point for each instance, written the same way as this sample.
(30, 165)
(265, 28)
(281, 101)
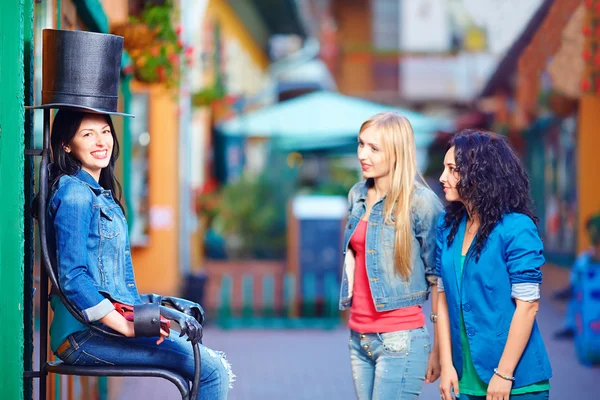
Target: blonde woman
(389, 265)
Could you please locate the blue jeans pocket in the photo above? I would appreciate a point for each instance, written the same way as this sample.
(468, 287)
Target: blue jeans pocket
(69, 351)
(396, 344)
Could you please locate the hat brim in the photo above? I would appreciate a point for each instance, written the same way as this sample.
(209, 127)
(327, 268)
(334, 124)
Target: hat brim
(63, 106)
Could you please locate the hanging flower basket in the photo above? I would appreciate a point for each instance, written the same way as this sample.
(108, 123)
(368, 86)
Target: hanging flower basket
(138, 36)
(153, 44)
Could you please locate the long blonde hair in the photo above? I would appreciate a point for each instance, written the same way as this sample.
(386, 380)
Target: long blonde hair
(398, 142)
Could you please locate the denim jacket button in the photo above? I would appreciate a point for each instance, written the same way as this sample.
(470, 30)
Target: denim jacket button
(466, 307)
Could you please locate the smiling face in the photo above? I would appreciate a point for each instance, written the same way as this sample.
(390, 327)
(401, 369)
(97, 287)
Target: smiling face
(92, 144)
(450, 176)
(373, 160)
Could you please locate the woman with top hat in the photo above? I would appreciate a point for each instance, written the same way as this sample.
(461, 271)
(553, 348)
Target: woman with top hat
(488, 259)
(87, 234)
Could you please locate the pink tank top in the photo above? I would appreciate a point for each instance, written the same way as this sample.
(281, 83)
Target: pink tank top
(364, 318)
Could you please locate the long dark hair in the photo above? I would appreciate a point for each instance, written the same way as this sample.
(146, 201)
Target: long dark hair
(493, 182)
(65, 126)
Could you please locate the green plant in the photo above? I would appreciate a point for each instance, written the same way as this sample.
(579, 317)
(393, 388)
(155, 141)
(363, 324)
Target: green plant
(207, 96)
(252, 214)
(159, 61)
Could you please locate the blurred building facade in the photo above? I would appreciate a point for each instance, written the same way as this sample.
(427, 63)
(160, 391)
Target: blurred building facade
(166, 151)
(544, 97)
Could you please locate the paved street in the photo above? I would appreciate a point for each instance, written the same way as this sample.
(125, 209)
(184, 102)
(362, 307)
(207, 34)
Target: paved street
(313, 365)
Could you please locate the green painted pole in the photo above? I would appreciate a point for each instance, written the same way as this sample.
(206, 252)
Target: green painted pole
(12, 161)
(29, 172)
(330, 290)
(309, 295)
(289, 294)
(247, 296)
(268, 296)
(224, 314)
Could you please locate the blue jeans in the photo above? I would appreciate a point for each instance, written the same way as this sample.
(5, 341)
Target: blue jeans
(175, 354)
(527, 396)
(389, 366)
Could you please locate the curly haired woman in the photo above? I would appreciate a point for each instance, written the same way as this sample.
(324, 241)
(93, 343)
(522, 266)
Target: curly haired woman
(488, 258)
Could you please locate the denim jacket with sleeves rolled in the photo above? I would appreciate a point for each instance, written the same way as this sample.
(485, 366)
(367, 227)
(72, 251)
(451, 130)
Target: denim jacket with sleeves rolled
(389, 289)
(87, 235)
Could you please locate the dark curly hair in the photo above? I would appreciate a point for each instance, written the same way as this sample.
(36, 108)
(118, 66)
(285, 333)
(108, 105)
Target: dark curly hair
(493, 182)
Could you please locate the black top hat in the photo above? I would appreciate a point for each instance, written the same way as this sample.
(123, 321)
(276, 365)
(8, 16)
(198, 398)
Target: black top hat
(81, 70)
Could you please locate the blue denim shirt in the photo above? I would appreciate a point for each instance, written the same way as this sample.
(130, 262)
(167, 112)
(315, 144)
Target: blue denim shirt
(391, 291)
(513, 255)
(87, 233)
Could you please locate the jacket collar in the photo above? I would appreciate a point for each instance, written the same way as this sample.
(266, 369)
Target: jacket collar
(364, 188)
(86, 178)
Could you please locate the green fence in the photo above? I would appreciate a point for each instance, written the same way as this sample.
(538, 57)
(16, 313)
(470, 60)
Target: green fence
(309, 311)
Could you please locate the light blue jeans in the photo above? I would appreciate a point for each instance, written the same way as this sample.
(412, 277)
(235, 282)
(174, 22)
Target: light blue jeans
(389, 366)
(527, 396)
(175, 353)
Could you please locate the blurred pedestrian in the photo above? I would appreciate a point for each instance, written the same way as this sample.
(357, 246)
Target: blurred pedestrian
(389, 265)
(489, 259)
(589, 258)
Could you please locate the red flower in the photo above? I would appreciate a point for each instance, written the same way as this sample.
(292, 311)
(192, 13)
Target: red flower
(597, 7)
(189, 51)
(589, 3)
(179, 43)
(586, 30)
(585, 85)
(230, 99)
(587, 55)
(128, 70)
(160, 70)
(597, 60)
(178, 30)
(210, 185)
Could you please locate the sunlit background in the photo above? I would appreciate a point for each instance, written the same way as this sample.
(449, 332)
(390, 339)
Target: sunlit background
(236, 168)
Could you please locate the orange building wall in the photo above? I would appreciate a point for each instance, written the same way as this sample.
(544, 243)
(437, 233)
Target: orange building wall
(588, 164)
(157, 265)
(543, 46)
(354, 76)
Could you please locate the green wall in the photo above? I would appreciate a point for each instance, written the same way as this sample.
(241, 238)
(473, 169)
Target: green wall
(12, 119)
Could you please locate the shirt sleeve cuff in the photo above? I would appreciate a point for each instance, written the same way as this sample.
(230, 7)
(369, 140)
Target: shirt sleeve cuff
(440, 285)
(432, 279)
(98, 311)
(526, 291)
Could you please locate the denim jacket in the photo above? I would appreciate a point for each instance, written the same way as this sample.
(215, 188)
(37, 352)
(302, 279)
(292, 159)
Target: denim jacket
(391, 291)
(87, 233)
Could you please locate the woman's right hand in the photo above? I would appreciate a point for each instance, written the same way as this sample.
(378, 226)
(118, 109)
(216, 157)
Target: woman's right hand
(448, 380)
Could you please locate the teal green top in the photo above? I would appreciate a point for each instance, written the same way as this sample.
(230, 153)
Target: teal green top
(470, 382)
(63, 323)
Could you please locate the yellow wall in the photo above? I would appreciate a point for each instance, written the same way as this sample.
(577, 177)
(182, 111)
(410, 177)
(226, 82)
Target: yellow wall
(232, 26)
(157, 265)
(588, 164)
